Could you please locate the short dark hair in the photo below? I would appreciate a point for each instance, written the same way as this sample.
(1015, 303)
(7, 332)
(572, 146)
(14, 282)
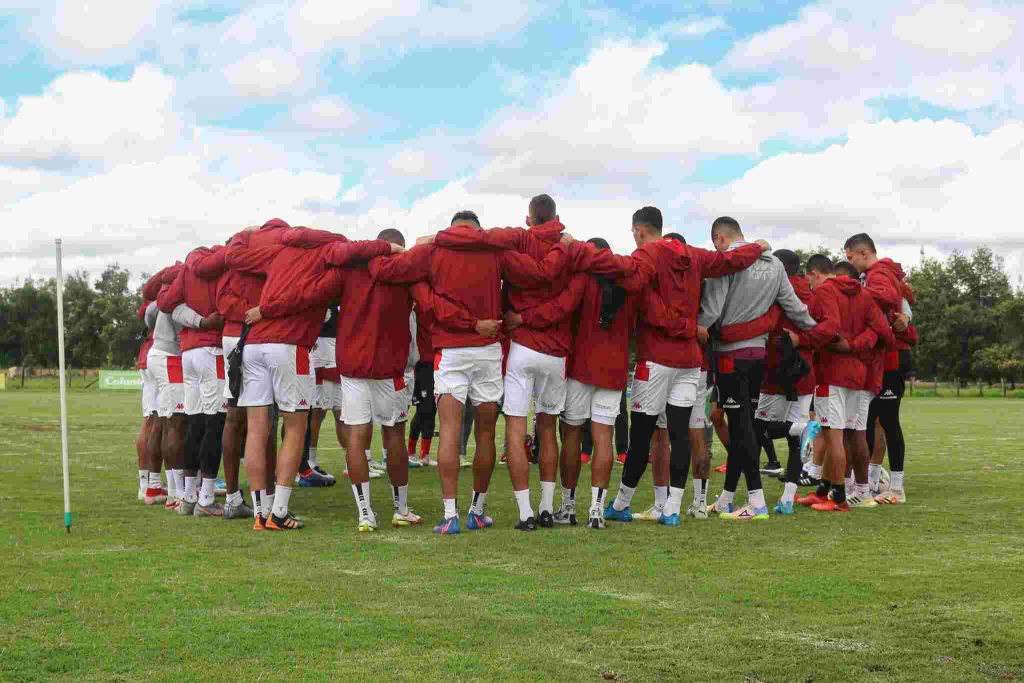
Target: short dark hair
(599, 242)
(861, 239)
(675, 236)
(542, 208)
(650, 216)
(465, 216)
(819, 263)
(790, 261)
(848, 269)
(727, 225)
(393, 236)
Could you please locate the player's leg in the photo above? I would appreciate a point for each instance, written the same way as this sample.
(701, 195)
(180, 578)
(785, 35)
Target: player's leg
(700, 453)
(519, 383)
(209, 362)
(651, 387)
(600, 471)
(718, 421)
(840, 413)
(682, 398)
(744, 385)
(449, 411)
(580, 400)
(483, 464)
(393, 439)
(358, 411)
(660, 474)
(468, 418)
(889, 402)
(622, 430)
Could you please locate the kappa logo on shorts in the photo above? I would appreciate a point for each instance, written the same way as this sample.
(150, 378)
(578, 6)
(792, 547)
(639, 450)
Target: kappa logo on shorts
(303, 402)
(888, 393)
(402, 416)
(180, 406)
(730, 403)
(762, 413)
(636, 405)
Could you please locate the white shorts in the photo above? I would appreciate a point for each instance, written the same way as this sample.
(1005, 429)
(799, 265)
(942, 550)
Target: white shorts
(472, 372)
(167, 374)
(148, 393)
(775, 408)
(533, 375)
(327, 395)
(204, 381)
(656, 386)
(842, 408)
(228, 345)
(322, 353)
(277, 373)
(585, 401)
(698, 416)
(381, 401)
(410, 384)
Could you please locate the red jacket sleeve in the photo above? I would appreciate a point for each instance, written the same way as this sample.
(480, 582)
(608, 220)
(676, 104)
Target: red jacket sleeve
(210, 266)
(523, 271)
(296, 300)
(240, 255)
(170, 297)
(826, 309)
(411, 266)
(585, 257)
(345, 253)
(164, 276)
(307, 238)
(878, 326)
(881, 288)
(557, 308)
(433, 304)
(505, 238)
(719, 264)
(657, 314)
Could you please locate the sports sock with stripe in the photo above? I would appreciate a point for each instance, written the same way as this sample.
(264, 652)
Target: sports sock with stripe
(523, 501)
(479, 499)
(143, 480)
(312, 458)
(597, 498)
(425, 444)
(756, 498)
(623, 498)
(451, 508)
(674, 501)
(191, 494)
(896, 480)
(361, 492)
(400, 494)
(281, 497)
(660, 496)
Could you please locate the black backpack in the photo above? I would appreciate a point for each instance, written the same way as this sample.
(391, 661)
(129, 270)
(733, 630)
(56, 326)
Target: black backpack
(234, 361)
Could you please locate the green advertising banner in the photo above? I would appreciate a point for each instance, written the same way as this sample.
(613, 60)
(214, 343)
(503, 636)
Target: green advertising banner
(120, 380)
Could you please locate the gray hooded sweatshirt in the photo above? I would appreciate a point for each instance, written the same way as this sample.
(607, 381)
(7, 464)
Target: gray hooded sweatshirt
(747, 295)
(166, 327)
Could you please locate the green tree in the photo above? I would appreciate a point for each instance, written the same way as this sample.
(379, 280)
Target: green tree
(120, 327)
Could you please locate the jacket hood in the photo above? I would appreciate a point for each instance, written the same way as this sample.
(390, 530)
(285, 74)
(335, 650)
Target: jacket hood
(681, 262)
(274, 223)
(846, 285)
(893, 267)
(201, 252)
(801, 286)
(464, 238)
(549, 232)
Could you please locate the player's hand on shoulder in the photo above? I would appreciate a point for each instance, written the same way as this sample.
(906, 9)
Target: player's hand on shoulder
(253, 315)
(426, 239)
(488, 328)
(397, 248)
(765, 247)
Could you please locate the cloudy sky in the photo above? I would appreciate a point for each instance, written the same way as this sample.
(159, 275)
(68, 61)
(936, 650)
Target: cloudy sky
(137, 130)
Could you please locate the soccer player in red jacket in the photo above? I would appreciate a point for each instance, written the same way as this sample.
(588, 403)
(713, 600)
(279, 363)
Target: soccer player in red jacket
(841, 398)
(883, 280)
(467, 364)
(151, 491)
(276, 365)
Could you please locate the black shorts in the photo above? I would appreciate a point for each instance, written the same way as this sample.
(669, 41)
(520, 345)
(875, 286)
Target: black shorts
(893, 385)
(739, 383)
(423, 383)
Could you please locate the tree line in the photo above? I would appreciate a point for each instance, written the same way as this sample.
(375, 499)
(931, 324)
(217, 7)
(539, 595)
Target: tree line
(970, 320)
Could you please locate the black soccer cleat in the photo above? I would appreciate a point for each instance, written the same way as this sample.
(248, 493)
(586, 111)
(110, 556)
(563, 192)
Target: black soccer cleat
(545, 519)
(528, 525)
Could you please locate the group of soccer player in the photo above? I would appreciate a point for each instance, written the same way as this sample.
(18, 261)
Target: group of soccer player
(288, 325)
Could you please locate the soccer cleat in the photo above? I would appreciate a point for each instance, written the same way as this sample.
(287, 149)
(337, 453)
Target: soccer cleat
(784, 507)
(585, 459)
(465, 462)
(154, 496)
(806, 479)
(861, 502)
(621, 458)
(746, 513)
(215, 510)
(378, 467)
(772, 469)
(414, 462)
(716, 509)
(566, 515)
(186, 508)
(220, 487)
(427, 461)
(172, 504)
(367, 524)
(409, 518)
(475, 522)
(311, 478)
(448, 527)
(324, 473)
(697, 511)
(596, 520)
(669, 520)
(618, 515)
(527, 524)
(503, 460)
(721, 468)
(289, 523)
(259, 523)
(811, 499)
(831, 506)
(651, 514)
(240, 511)
(891, 497)
(545, 519)
(807, 437)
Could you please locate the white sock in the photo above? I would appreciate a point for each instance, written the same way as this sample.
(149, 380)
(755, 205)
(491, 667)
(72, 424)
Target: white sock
(154, 480)
(597, 498)
(660, 496)
(479, 500)
(191, 489)
(789, 493)
(207, 492)
(523, 501)
(547, 496)
(568, 497)
(312, 458)
(143, 480)
(361, 492)
(623, 498)
(874, 475)
(756, 498)
(401, 498)
(179, 483)
(896, 480)
(257, 503)
(268, 504)
(726, 497)
(674, 501)
(863, 490)
(369, 455)
(797, 428)
(281, 496)
(235, 499)
(700, 492)
(849, 484)
(814, 471)
(451, 509)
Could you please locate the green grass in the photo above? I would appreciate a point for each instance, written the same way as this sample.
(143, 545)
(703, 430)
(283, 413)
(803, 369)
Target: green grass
(929, 591)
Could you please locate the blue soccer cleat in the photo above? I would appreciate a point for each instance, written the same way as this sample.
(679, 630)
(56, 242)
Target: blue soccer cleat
(618, 515)
(448, 527)
(669, 520)
(313, 478)
(475, 522)
(784, 507)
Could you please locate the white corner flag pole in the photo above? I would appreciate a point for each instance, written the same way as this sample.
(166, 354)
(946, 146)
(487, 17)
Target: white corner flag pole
(63, 392)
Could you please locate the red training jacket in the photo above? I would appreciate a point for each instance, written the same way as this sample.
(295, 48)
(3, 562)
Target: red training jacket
(841, 303)
(200, 294)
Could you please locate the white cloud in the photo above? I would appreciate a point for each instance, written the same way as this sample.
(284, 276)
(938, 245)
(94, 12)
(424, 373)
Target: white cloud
(960, 29)
(410, 162)
(269, 72)
(98, 31)
(325, 114)
(87, 116)
(696, 28)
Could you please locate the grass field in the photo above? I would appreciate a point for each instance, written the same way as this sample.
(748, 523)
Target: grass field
(929, 591)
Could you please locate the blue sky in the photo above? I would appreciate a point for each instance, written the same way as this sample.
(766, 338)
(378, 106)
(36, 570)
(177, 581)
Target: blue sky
(141, 129)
